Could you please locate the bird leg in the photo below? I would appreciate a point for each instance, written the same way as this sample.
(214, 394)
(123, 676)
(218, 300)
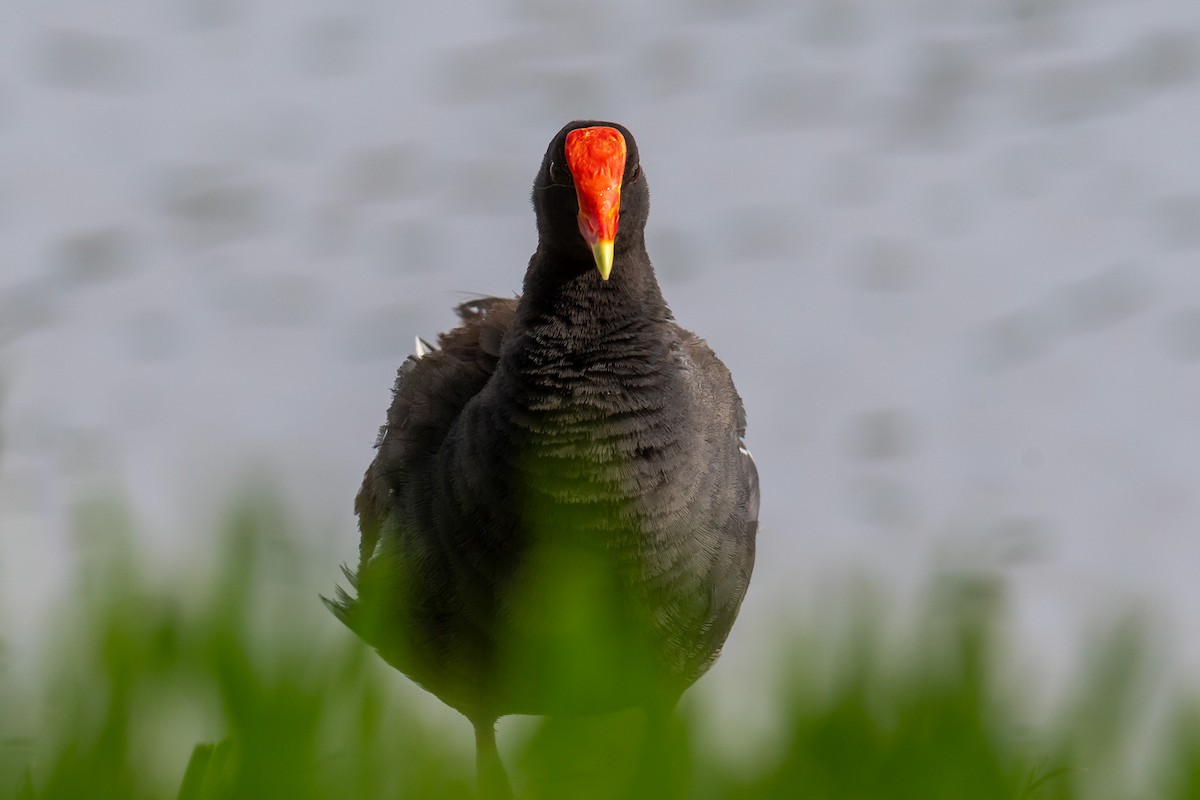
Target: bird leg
(493, 781)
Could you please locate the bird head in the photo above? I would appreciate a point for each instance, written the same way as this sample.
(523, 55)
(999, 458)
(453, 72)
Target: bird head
(591, 172)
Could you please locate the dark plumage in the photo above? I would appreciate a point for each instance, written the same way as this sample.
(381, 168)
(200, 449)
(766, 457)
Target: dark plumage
(561, 514)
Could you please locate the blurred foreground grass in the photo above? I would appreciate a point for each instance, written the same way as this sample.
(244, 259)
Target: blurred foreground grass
(233, 682)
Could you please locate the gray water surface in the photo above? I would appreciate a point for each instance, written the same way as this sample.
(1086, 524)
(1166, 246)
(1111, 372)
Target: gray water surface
(950, 250)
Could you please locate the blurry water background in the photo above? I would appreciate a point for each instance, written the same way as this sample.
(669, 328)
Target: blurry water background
(949, 250)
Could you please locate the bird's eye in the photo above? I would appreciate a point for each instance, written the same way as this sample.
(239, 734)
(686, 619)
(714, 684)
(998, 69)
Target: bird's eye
(558, 174)
(637, 173)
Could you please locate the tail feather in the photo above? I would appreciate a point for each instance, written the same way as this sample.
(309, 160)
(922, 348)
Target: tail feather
(351, 577)
(343, 606)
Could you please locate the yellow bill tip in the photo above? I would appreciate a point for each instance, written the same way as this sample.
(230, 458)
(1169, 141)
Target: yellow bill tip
(602, 251)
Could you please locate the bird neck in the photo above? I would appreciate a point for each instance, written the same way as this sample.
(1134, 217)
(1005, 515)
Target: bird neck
(564, 294)
(584, 342)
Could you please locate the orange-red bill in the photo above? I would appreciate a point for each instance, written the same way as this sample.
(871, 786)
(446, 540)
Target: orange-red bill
(596, 158)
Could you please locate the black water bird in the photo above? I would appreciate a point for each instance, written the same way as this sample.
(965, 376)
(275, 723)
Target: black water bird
(561, 514)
